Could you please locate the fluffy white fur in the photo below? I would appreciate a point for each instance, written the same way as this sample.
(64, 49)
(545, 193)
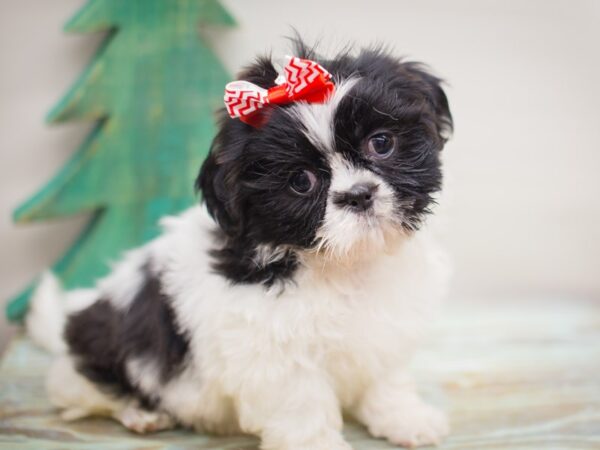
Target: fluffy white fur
(279, 364)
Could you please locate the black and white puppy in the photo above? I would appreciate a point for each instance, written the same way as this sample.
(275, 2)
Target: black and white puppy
(296, 292)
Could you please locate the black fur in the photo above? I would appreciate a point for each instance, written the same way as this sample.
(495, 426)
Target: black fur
(102, 339)
(245, 179)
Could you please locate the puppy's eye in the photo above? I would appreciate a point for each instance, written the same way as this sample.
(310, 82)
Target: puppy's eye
(381, 145)
(303, 182)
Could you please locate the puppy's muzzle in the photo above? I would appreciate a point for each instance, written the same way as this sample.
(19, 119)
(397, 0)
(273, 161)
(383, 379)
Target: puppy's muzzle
(358, 198)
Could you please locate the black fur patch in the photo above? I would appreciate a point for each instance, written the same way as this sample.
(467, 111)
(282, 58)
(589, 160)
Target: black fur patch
(240, 266)
(103, 339)
(245, 183)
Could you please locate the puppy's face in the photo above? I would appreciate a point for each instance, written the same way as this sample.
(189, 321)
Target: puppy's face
(338, 179)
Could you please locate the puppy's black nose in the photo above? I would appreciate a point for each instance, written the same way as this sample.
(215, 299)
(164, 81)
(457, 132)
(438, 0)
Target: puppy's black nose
(359, 197)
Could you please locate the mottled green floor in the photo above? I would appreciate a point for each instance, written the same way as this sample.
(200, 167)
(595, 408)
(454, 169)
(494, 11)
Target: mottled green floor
(516, 375)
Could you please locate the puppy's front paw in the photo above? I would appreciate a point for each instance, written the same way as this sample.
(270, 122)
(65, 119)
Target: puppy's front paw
(414, 424)
(142, 421)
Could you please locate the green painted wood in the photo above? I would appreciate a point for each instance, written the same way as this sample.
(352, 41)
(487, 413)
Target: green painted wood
(512, 375)
(152, 87)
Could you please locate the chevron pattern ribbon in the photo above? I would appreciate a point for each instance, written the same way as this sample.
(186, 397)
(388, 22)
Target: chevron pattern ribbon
(302, 80)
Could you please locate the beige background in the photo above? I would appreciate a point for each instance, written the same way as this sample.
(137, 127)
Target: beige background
(521, 213)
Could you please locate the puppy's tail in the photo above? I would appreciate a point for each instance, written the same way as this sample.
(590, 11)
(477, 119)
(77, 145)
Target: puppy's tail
(46, 318)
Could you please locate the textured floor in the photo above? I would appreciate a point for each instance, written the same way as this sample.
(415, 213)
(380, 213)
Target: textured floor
(512, 375)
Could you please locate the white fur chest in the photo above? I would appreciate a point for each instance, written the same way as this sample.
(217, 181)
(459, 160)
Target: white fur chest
(368, 318)
(348, 324)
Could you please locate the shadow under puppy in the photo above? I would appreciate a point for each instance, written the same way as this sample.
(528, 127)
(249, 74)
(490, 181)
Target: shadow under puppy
(298, 290)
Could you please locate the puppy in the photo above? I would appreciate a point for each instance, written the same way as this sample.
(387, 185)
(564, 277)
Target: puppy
(297, 290)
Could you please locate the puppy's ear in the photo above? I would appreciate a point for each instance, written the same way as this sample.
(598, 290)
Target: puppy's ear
(217, 182)
(431, 87)
(219, 176)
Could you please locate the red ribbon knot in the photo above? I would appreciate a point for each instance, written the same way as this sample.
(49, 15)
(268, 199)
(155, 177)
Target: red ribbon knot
(303, 80)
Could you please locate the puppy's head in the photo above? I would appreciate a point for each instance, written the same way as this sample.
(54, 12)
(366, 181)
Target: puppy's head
(339, 179)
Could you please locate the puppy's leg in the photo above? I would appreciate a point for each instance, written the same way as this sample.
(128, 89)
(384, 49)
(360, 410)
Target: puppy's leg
(291, 410)
(76, 395)
(216, 414)
(143, 421)
(78, 398)
(392, 409)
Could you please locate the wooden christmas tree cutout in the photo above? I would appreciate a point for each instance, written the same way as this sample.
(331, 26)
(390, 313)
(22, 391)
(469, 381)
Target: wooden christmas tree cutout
(152, 88)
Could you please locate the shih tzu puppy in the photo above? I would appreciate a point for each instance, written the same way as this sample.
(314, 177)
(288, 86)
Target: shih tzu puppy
(297, 291)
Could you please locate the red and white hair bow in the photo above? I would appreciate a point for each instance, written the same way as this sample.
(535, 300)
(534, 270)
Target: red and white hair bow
(302, 80)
